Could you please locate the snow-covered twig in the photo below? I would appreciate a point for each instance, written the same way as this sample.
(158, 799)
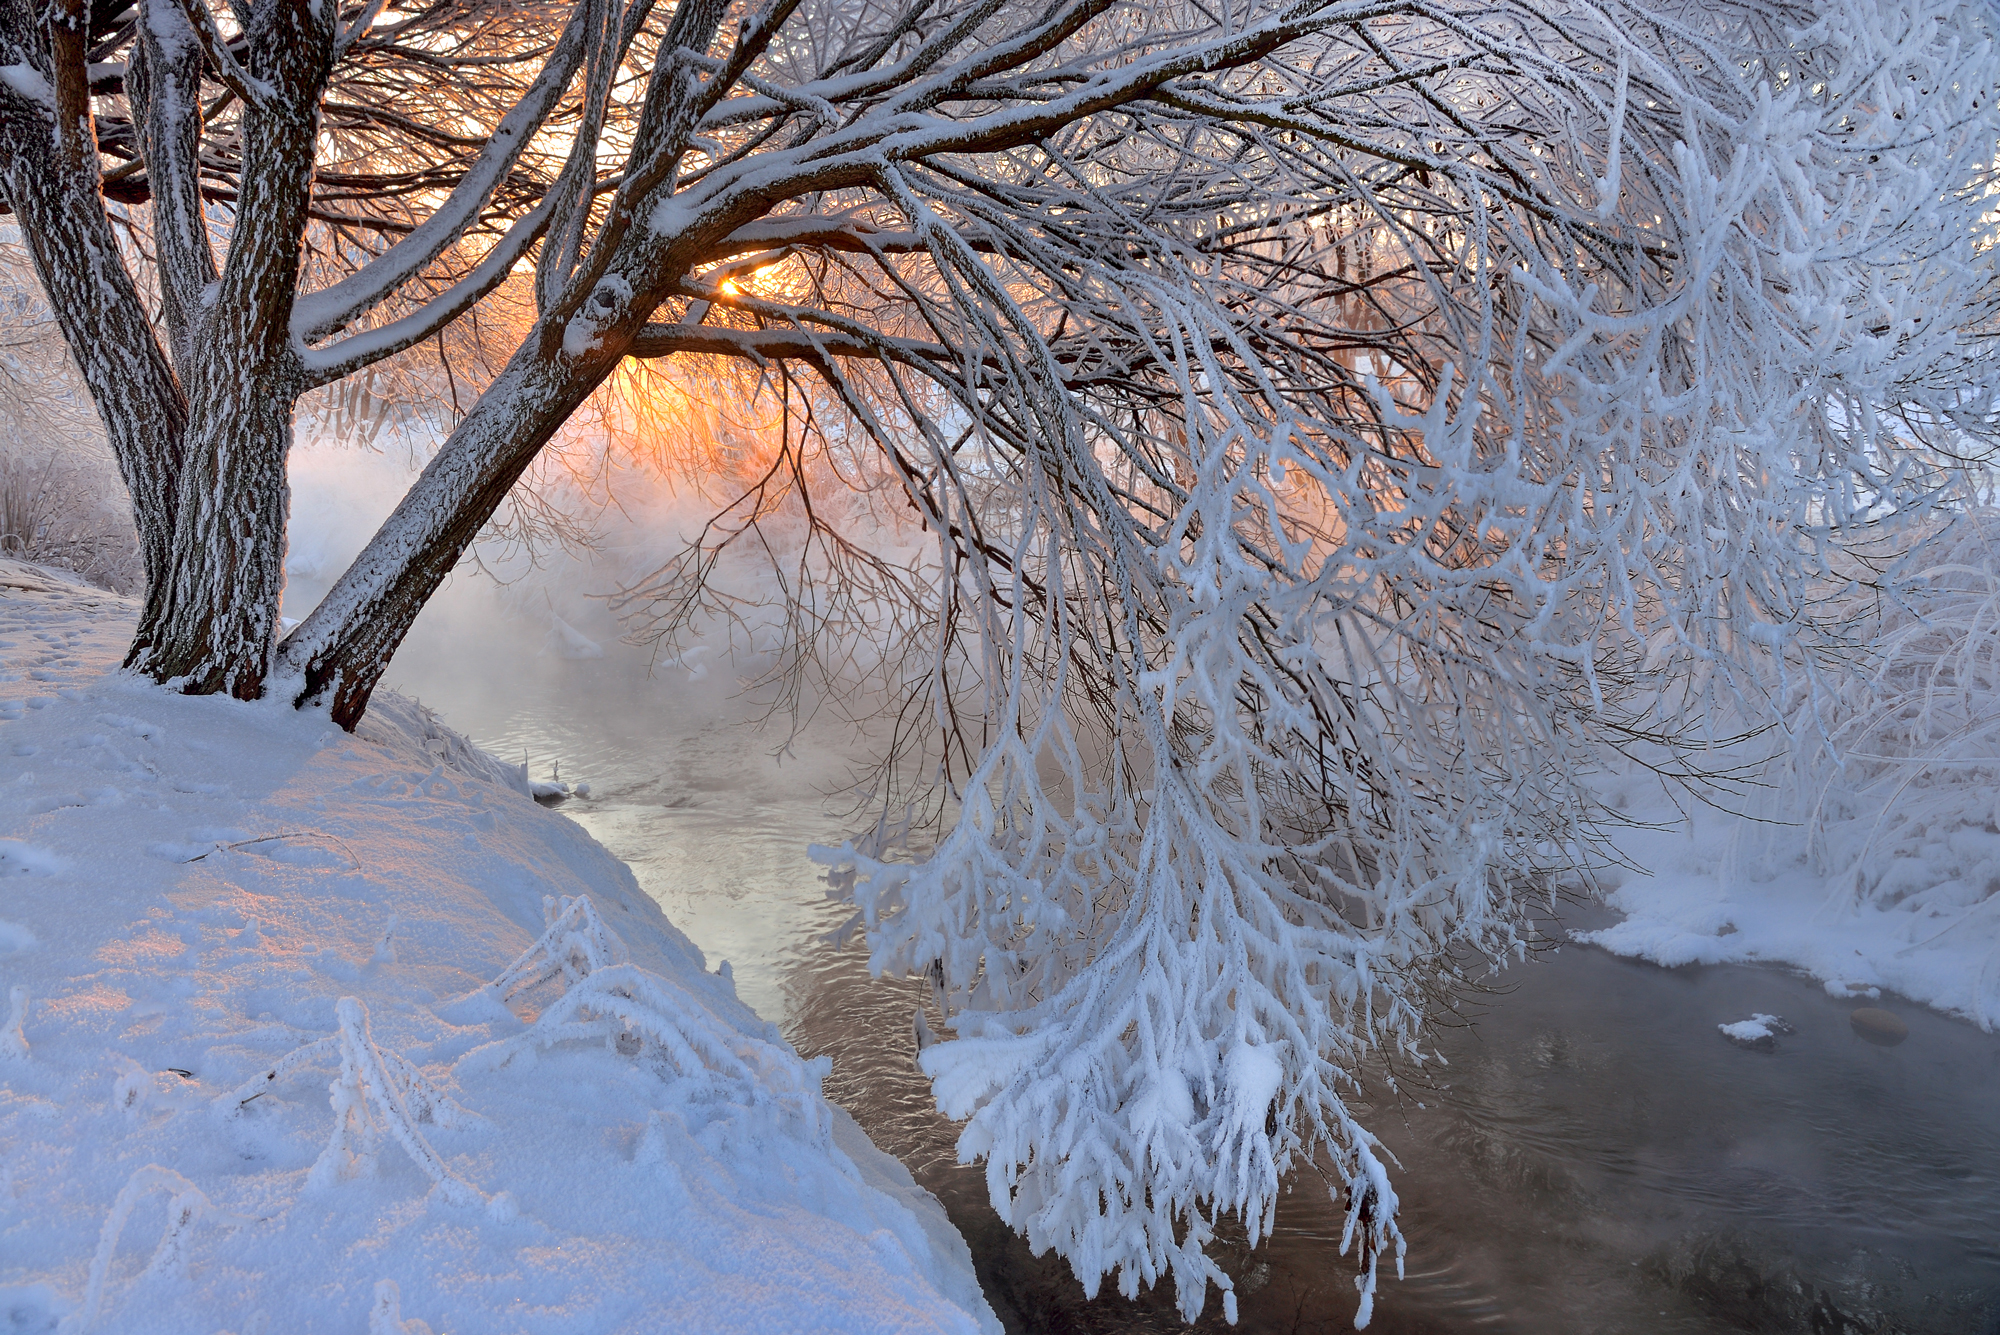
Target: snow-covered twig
(638, 1013)
(185, 1207)
(283, 834)
(386, 1316)
(377, 1091)
(368, 1099)
(575, 943)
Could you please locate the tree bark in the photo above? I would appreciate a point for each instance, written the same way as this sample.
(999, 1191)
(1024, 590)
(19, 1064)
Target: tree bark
(225, 574)
(164, 87)
(49, 171)
(338, 654)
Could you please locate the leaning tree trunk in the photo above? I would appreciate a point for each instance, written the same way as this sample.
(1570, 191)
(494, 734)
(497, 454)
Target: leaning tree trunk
(340, 651)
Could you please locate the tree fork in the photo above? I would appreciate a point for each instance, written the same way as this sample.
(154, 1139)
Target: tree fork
(243, 377)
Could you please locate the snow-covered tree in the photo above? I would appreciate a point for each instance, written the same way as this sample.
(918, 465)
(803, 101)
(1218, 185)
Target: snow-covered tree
(1321, 410)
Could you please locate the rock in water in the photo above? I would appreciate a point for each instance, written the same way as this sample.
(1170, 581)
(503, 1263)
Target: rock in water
(1760, 1032)
(1879, 1026)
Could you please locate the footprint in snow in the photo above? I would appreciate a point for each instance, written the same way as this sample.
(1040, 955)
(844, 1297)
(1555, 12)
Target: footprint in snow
(24, 859)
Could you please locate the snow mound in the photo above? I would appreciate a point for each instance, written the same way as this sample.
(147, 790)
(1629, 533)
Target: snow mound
(1760, 1031)
(1720, 892)
(385, 1046)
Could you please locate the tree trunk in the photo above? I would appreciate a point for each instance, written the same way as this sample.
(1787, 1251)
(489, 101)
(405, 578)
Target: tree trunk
(163, 85)
(219, 609)
(49, 171)
(225, 575)
(341, 650)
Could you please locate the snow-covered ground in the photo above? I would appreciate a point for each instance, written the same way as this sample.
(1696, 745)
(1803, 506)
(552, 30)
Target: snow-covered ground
(1725, 889)
(311, 1031)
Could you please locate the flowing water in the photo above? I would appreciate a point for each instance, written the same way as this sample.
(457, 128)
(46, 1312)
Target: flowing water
(1596, 1158)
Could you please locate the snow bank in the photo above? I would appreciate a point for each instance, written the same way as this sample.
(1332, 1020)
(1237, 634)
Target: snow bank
(1727, 890)
(1869, 855)
(311, 1031)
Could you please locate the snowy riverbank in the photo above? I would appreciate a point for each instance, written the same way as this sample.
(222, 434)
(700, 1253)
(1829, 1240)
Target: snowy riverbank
(257, 1078)
(1722, 888)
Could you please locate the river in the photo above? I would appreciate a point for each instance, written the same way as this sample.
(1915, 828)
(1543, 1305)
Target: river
(1594, 1159)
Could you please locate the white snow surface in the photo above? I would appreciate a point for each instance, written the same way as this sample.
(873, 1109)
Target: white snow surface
(1758, 1029)
(192, 890)
(1747, 1031)
(1720, 889)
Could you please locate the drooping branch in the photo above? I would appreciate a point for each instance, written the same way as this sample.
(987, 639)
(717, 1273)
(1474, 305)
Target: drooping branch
(1308, 411)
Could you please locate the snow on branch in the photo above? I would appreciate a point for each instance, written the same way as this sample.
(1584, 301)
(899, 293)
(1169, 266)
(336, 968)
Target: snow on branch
(228, 71)
(368, 1099)
(636, 1013)
(187, 1205)
(343, 357)
(317, 315)
(575, 943)
(640, 1014)
(378, 1092)
(1321, 630)
(27, 84)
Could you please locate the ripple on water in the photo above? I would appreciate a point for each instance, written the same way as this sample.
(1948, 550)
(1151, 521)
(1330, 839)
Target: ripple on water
(1594, 1159)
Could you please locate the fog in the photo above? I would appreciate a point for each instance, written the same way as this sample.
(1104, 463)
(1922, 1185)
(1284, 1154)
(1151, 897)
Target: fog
(709, 800)
(1594, 1158)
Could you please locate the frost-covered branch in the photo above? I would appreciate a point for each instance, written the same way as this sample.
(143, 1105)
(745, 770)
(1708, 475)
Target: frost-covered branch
(575, 943)
(377, 1092)
(1321, 417)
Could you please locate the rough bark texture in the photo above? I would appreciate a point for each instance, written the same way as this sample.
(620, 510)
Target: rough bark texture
(50, 175)
(232, 334)
(164, 85)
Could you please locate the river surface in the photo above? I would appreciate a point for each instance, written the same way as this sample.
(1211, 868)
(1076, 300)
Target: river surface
(1595, 1158)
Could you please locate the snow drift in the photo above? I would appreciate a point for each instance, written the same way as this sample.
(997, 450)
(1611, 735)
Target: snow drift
(316, 1031)
(1868, 855)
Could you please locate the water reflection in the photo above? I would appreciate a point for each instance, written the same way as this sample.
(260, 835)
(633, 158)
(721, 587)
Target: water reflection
(1594, 1159)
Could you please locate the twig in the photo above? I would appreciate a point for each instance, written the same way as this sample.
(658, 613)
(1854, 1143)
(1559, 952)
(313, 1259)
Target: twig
(287, 834)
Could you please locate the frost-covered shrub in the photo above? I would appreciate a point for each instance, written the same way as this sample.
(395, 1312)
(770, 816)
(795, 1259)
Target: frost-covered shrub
(62, 503)
(68, 512)
(1897, 768)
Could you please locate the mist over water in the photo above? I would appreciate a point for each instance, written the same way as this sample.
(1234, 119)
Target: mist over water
(691, 783)
(1594, 1158)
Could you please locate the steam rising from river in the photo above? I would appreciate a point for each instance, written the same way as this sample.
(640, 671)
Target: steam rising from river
(694, 781)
